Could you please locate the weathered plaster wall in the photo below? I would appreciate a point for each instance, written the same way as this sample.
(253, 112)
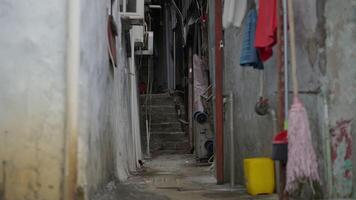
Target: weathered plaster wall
(253, 133)
(32, 101)
(32, 98)
(341, 83)
(104, 119)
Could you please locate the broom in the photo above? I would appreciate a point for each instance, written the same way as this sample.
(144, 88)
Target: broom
(302, 165)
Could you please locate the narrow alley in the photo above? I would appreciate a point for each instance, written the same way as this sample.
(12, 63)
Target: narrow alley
(177, 99)
(173, 177)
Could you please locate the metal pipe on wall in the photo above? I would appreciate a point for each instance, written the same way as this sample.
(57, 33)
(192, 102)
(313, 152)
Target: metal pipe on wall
(232, 142)
(174, 60)
(167, 57)
(219, 137)
(134, 104)
(146, 113)
(190, 97)
(71, 136)
(272, 113)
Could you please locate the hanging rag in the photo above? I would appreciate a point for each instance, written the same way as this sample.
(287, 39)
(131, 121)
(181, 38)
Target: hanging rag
(200, 85)
(174, 20)
(266, 30)
(234, 12)
(249, 55)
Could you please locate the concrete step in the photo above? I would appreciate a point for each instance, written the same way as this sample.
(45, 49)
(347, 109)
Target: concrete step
(168, 152)
(161, 95)
(182, 145)
(168, 141)
(170, 136)
(161, 99)
(159, 110)
(164, 118)
(162, 109)
(166, 127)
(166, 131)
(158, 145)
(169, 117)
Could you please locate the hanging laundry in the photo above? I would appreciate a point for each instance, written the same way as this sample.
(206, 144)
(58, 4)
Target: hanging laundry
(249, 55)
(200, 85)
(174, 19)
(256, 4)
(266, 31)
(234, 12)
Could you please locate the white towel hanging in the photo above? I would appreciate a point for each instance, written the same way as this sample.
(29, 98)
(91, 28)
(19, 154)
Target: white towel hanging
(234, 12)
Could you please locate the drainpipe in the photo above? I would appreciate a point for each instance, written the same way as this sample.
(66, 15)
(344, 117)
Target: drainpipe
(219, 137)
(73, 62)
(167, 29)
(277, 169)
(190, 98)
(135, 124)
(174, 60)
(232, 142)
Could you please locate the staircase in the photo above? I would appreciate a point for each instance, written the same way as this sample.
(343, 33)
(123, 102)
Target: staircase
(167, 132)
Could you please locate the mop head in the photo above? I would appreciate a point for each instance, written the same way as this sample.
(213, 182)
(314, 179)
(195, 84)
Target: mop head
(302, 166)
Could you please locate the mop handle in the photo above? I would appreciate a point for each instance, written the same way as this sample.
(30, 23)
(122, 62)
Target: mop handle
(293, 49)
(286, 76)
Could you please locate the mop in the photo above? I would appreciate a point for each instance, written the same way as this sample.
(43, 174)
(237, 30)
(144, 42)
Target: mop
(302, 166)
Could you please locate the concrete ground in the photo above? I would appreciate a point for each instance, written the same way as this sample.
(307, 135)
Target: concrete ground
(174, 177)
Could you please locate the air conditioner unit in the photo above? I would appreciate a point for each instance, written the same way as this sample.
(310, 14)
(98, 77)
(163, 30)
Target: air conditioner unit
(147, 45)
(132, 9)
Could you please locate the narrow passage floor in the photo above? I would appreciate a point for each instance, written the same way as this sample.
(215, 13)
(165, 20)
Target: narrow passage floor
(175, 177)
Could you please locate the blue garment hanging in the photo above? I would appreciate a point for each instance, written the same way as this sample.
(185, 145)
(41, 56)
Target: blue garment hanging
(249, 55)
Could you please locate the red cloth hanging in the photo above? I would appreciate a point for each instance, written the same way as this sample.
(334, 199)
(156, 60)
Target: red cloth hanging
(266, 30)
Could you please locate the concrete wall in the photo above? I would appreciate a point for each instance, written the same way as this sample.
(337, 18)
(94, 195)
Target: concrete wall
(32, 101)
(327, 79)
(104, 120)
(32, 98)
(340, 80)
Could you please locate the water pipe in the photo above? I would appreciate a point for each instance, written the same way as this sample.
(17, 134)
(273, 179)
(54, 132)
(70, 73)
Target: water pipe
(272, 113)
(72, 63)
(135, 124)
(232, 142)
(219, 126)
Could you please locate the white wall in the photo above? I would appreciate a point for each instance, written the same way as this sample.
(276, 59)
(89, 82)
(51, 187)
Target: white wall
(32, 100)
(105, 137)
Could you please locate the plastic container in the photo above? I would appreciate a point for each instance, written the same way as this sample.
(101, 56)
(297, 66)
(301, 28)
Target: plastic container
(280, 147)
(259, 175)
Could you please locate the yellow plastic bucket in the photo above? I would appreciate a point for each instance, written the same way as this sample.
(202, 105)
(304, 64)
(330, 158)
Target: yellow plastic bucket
(259, 175)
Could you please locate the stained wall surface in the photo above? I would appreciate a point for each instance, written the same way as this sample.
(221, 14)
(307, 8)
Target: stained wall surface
(33, 102)
(105, 140)
(32, 98)
(325, 30)
(341, 94)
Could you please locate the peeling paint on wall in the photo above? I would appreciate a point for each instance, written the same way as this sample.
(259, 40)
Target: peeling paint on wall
(341, 158)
